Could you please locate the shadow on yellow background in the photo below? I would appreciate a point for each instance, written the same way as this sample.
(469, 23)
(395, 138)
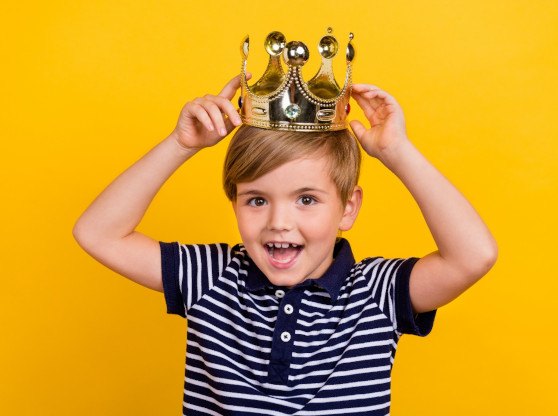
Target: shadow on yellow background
(88, 87)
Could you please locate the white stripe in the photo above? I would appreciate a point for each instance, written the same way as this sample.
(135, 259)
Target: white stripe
(251, 397)
(200, 409)
(342, 321)
(363, 396)
(225, 357)
(340, 334)
(253, 322)
(368, 301)
(198, 274)
(253, 311)
(180, 270)
(343, 386)
(206, 324)
(209, 266)
(338, 346)
(327, 331)
(234, 408)
(268, 386)
(387, 278)
(337, 360)
(245, 384)
(231, 349)
(343, 411)
(352, 373)
(329, 372)
(189, 280)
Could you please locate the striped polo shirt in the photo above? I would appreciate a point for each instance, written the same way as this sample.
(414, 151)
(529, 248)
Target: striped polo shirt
(323, 347)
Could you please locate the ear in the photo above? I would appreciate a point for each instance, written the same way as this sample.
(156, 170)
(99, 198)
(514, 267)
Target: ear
(352, 208)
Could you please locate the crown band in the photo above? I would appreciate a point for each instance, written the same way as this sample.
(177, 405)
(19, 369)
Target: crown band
(284, 101)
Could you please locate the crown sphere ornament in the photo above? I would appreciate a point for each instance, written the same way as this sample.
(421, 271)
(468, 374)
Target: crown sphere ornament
(282, 100)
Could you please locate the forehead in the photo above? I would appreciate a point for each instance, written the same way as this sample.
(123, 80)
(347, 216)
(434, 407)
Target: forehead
(307, 172)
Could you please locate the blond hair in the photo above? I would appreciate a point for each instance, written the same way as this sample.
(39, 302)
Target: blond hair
(253, 152)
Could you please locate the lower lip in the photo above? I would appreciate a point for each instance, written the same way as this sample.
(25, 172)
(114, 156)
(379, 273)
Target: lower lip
(283, 265)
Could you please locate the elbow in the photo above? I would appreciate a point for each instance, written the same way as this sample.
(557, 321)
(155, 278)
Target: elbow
(485, 259)
(83, 234)
(79, 233)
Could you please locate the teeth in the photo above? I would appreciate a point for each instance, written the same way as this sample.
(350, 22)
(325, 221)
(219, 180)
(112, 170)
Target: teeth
(281, 245)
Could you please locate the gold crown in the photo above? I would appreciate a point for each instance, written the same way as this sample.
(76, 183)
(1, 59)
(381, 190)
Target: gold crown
(284, 101)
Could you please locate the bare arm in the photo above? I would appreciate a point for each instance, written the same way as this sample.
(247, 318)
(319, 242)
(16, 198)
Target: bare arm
(466, 248)
(106, 230)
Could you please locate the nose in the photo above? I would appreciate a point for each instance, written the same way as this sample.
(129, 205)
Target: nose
(280, 218)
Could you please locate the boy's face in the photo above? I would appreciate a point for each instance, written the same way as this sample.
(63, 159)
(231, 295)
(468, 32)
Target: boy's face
(289, 218)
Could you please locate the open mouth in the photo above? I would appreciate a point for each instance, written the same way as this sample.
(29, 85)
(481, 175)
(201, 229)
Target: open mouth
(283, 253)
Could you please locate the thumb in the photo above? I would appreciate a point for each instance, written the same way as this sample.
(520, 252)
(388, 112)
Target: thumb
(358, 129)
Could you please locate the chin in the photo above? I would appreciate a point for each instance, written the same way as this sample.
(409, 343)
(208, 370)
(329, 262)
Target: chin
(283, 281)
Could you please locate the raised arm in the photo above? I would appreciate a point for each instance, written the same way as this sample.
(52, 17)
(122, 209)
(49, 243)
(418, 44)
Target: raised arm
(106, 230)
(466, 249)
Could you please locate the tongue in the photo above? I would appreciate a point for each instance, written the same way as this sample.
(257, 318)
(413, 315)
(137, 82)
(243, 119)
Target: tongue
(284, 255)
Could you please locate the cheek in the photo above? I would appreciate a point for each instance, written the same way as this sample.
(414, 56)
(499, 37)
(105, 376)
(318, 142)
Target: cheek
(322, 223)
(247, 224)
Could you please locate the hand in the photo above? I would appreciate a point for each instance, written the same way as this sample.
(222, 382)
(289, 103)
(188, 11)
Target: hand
(205, 121)
(387, 123)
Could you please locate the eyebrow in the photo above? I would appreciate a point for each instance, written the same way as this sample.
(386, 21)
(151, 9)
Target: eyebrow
(257, 192)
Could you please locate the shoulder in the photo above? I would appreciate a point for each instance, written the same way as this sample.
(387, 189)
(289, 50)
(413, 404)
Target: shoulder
(380, 273)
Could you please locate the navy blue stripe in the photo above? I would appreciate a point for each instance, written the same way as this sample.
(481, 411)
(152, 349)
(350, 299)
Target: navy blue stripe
(409, 323)
(170, 263)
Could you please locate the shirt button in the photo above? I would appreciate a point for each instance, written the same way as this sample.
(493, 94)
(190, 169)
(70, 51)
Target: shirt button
(288, 309)
(279, 293)
(285, 337)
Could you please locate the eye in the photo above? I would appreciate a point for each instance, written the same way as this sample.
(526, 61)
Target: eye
(257, 202)
(306, 200)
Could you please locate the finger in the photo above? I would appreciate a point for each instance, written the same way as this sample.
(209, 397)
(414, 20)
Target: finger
(358, 129)
(364, 87)
(229, 90)
(227, 108)
(215, 114)
(366, 104)
(374, 100)
(371, 93)
(199, 113)
(229, 125)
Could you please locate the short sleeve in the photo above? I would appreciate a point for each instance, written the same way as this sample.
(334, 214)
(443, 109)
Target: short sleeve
(407, 322)
(189, 271)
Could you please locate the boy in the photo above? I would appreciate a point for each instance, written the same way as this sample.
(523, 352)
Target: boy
(287, 323)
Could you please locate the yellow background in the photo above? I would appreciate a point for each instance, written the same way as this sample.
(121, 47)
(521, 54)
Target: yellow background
(87, 87)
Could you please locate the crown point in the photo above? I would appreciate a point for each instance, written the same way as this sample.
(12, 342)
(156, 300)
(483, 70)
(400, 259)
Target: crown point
(328, 47)
(275, 43)
(245, 47)
(296, 53)
(351, 36)
(329, 29)
(350, 52)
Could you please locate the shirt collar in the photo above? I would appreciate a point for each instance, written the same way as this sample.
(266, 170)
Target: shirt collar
(331, 281)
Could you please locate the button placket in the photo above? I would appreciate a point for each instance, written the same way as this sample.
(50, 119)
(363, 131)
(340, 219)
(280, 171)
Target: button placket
(284, 335)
